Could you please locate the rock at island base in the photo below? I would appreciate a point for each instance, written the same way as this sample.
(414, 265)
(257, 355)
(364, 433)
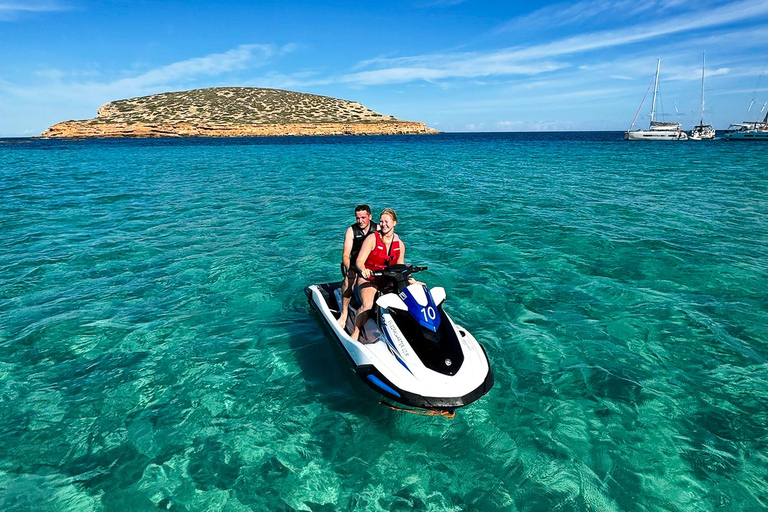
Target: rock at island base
(82, 129)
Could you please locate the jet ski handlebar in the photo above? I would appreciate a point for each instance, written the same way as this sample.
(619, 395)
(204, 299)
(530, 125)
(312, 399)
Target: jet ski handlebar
(398, 270)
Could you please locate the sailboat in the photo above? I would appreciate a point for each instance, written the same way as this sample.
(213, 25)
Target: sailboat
(658, 130)
(702, 131)
(748, 130)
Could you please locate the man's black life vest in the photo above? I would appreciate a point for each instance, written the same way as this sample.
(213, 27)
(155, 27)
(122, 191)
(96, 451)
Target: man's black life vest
(358, 236)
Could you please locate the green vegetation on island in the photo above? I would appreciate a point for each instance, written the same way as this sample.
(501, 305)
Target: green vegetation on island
(237, 105)
(233, 112)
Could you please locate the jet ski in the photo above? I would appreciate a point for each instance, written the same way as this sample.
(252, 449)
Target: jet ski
(409, 350)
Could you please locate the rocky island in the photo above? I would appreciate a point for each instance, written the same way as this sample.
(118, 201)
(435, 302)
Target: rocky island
(234, 112)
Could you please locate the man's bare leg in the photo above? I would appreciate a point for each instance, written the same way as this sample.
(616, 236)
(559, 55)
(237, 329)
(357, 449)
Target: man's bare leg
(347, 289)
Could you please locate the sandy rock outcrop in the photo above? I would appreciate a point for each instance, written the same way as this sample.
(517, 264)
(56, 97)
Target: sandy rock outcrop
(85, 129)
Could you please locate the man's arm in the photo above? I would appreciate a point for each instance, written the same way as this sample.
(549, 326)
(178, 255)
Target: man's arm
(347, 248)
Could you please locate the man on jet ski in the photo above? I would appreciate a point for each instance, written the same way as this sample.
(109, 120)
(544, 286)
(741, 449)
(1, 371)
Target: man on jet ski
(376, 253)
(353, 241)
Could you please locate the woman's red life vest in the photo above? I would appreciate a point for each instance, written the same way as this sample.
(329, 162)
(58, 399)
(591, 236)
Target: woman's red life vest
(378, 258)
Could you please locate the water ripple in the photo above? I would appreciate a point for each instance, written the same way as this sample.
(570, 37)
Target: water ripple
(157, 350)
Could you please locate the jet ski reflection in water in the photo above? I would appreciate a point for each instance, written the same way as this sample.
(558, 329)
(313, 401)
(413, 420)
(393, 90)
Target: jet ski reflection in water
(409, 350)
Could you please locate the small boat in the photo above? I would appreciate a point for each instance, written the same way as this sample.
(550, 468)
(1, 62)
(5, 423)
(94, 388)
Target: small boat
(702, 131)
(410, 351)
(658, 130)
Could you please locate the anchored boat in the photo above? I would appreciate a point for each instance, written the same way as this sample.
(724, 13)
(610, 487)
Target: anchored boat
(658, 130)
(748, 130)
(702, 131)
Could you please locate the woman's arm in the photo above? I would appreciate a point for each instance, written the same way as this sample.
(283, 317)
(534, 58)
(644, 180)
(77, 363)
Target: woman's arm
(401, 259)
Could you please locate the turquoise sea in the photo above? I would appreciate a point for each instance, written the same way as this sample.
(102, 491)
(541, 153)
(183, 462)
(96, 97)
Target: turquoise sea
(157, 350)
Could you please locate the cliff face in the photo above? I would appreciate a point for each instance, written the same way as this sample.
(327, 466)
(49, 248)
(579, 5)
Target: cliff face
(233, 112)
(84, 129)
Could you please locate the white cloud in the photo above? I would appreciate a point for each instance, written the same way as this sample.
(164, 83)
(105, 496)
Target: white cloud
(11, 10)
(190, 73)
(437, 67)
(535, 59)
(74, 94)
(243, 57)
(723, 15)
(290, 81)
(441, 3)
(550, 126)
(600, 12)
(695, 74)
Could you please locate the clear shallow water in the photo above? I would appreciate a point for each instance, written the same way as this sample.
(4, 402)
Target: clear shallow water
(157, 349)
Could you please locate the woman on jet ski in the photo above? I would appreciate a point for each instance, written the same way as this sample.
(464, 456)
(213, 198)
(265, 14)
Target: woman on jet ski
(377, 252)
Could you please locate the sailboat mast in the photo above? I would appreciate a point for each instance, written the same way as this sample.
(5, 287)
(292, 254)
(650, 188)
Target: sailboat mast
(701, 112)
(655, 91)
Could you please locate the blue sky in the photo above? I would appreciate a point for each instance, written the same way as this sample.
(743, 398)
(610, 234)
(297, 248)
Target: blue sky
(458, 65)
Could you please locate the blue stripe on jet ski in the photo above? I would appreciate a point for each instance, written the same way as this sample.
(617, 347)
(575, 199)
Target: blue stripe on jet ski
(395, 352)
(383, 386)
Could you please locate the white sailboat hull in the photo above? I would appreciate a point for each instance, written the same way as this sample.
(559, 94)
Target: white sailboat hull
(658, 130)
(746, 135)
(754, 130)
(652, 134)
(702, 132)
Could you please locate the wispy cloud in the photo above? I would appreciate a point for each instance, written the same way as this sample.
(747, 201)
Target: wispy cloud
(535, 59)
(722, 15)
(194, 72)
(247, 56)
(76, 94)
(695, 74)
(597, 12)
(440, 3)
(10, 11)
(302, 79)
(437, 67)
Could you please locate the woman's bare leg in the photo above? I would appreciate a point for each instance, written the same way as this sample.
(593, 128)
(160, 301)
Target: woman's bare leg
(367, 294)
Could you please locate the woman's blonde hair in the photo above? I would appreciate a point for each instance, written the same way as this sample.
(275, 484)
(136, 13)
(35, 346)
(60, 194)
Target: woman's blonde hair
(390, 212)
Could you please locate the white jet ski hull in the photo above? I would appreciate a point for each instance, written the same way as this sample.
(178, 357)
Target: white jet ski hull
(392, 368)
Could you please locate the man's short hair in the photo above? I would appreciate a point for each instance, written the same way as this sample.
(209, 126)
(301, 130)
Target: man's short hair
(363, 208)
